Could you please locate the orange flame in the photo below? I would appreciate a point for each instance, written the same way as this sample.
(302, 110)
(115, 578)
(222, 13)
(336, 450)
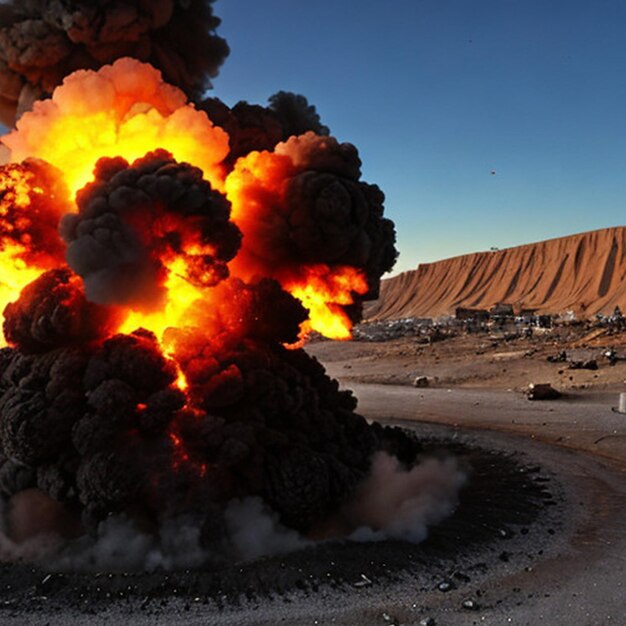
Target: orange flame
(21, 203)
(255, 186)
(14, 275)
(124, 109)
(324, 291)
(181, 457)
(178, 308)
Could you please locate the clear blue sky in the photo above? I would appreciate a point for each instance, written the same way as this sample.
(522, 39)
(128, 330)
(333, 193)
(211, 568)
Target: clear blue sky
(437, 93)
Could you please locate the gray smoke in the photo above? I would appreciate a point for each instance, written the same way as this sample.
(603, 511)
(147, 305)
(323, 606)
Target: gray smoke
(120, 546)
(252, 531)
(392, 503)
(256, 531)
(132, 214)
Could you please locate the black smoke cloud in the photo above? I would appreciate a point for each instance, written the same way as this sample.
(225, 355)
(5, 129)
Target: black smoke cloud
(132, 216)
(98, 422)
(102, 427)
(42, 41)
(316, 211)
(53, 312)
(255, 127)
(335, 218)
(297, 116)
(105, 430)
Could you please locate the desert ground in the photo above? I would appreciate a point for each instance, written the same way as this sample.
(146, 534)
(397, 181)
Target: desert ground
(478, 380)
(563, 563)
(477, 384)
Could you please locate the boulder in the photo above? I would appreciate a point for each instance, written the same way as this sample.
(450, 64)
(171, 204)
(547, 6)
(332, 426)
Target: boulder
(542, 391)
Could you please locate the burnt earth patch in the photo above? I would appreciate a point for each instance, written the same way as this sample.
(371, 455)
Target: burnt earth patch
(505, 505)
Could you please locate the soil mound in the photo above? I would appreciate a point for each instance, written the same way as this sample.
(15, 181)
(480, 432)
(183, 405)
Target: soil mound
(585, 273)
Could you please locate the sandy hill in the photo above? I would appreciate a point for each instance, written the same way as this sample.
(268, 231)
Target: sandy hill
(585, 273)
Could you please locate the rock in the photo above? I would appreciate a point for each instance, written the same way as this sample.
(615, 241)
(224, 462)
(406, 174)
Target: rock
(446, 585)
(542, 391)
(588, 364)
(471, 605)
(561, 357)
(428, 621)
(421, 381)
(611, 356)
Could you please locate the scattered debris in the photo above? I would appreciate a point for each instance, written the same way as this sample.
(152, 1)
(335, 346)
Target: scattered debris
(471, 315)
(393, 329)
(502, 310)
(561, 357)
(363, 582)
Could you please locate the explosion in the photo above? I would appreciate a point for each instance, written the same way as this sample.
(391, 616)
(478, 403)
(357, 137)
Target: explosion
(123, 110)
(160, 262)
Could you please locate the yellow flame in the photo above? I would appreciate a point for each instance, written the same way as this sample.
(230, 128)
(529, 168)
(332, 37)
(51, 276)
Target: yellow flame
(124, 109)
(177, 311)
(323, 292)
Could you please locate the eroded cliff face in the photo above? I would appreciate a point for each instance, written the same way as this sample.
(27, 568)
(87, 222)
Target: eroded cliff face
(585, 273)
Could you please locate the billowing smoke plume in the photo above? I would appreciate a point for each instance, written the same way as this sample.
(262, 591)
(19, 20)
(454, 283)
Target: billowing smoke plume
(53, 312)
(148, 397)
(297, 116)
(304, 205)
(400, 503)
(253, 127)
(132, 219)
(106, 430)
(41, 42)
(123, 110)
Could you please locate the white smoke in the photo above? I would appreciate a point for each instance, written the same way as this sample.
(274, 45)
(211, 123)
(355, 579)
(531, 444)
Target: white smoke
(398, 503)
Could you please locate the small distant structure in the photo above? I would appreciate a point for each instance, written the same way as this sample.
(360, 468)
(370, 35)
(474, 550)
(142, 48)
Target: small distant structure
(568, 317)
(474, 315)
(527, 316)
(544, 321)
(502, 310)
